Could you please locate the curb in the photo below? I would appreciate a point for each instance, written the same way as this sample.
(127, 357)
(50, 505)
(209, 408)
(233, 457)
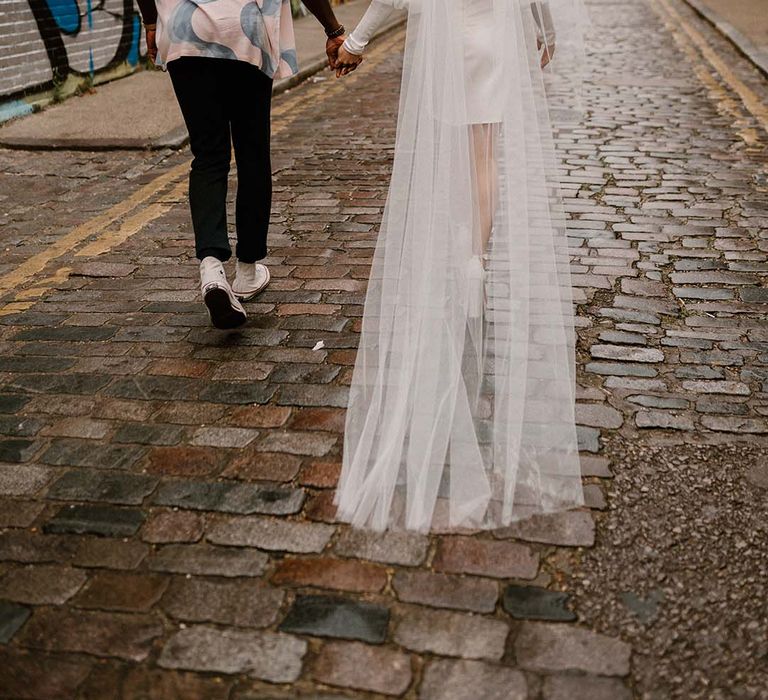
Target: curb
(176, 138)
(758, 56)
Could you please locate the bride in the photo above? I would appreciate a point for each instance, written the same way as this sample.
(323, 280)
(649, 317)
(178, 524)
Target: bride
(461, 410)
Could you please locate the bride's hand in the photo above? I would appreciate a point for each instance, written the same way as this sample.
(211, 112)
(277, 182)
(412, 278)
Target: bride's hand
(346, 62)
(547, 54)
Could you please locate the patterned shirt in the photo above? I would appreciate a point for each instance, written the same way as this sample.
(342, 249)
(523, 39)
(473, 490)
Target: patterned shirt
(256, 31)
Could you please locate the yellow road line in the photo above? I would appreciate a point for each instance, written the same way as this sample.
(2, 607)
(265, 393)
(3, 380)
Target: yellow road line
(749, 97)
(134, 223)
(725, 104)
(30, 267)
(287, 112)
(29, 296)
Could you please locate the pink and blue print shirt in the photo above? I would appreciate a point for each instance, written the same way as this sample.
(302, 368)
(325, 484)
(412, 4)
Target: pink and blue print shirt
(256, 31)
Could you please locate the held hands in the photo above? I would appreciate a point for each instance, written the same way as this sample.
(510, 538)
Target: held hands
(346, 62)
(339, 58)
(332, 47)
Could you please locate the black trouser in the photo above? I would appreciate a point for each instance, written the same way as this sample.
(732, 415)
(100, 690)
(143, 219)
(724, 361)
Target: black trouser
(219, 97)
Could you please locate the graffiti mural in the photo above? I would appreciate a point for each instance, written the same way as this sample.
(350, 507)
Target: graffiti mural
(51, 40)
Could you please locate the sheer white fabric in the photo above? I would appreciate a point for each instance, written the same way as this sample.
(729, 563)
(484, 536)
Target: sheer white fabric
(461, 411)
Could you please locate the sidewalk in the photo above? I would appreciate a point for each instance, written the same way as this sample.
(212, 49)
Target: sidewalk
(743, 22)
(140, 111)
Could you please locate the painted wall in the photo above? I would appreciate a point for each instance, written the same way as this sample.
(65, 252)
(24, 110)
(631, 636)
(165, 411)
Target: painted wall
(46, 44)
(50, 48)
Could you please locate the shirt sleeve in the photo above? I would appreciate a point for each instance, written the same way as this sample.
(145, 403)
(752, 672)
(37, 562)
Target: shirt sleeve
(373, 19)
(148, 11)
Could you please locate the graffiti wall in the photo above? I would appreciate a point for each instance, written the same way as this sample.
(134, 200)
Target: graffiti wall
(43, 43)
(52, 46)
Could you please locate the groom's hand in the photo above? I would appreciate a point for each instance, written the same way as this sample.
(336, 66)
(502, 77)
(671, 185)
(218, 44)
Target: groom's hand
(151, 35)
(332, 47)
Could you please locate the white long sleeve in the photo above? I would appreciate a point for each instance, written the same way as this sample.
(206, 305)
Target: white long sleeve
(379, 12)
(374, 18)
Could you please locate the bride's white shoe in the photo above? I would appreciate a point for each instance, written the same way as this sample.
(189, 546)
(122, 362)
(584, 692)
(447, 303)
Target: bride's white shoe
(475, 286)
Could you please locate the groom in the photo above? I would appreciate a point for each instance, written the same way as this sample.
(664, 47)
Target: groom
(222, 56)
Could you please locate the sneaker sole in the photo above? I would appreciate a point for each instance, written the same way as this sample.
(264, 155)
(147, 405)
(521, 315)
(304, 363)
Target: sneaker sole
(251, 295)
(223, 315)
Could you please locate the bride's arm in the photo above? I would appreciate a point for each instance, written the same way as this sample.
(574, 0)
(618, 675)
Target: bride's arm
(373, 19)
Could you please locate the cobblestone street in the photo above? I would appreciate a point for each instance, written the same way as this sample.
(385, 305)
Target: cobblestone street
(166, 488)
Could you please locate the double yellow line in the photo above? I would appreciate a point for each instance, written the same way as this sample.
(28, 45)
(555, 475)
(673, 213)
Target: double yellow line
(154, 199)
(19, 276)
(695, 46)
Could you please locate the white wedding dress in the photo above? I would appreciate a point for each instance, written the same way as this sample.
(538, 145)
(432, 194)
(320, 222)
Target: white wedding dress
(461, 411)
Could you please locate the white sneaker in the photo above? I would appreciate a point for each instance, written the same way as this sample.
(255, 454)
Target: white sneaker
(223, 307)
(250, 279)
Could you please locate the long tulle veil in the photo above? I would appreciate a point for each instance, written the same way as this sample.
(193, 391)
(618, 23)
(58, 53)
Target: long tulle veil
(461, 411)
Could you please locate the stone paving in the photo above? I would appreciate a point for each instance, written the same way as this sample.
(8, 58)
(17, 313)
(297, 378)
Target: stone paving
(166, 488)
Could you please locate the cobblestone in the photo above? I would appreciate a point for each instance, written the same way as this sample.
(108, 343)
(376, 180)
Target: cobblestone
(532, 603)
(252, 465)
(103, 487)
(338, 574)
(265, 655)
(570, 529)
(15, 427)
(164, 527)
(40, 585)
(23, 481)
(152, 684)
(403, 548)
(467, 680)
(238, 603)
(548, 647)
(271, 534)
(464, 555)
(96, 520)
(12, 618)
(328, 616)
(443, 591)
(451, 634)
(118, 635)
(230, 497)
(206, 560)
(79, 453)
(662, 419)
(124, 592)
(363, 667)
(201, 465)
(567, 687)
(41, 676)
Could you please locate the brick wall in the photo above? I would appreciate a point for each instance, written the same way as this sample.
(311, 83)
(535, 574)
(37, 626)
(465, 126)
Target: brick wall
(43, 42)
(47, 44)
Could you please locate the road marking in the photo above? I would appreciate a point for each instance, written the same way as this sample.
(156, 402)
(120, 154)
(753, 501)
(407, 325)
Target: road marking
(30, 267)
(134, 223)
(693, 40)
(29, 296)
(287, 112)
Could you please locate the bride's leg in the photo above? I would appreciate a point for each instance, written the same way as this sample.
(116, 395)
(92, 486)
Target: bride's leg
(486, 178)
